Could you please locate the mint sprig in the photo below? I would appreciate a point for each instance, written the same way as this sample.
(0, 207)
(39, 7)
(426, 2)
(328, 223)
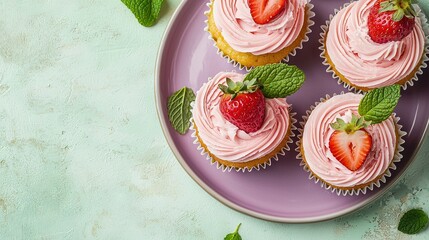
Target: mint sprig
(235, 235)
(278, 80)
(146, 11)
(413, 221)
(179, 109)
(377, 105)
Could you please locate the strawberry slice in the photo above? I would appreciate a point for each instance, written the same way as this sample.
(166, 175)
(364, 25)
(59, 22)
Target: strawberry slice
(350, 143)
(243, 104)
(263, 11)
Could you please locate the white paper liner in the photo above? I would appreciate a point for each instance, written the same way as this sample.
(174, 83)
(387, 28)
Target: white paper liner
(396, 158)
(310, 14)
(423, 65)
(264, 165)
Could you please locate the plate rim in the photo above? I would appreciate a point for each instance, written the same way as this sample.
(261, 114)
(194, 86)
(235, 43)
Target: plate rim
(325, 217)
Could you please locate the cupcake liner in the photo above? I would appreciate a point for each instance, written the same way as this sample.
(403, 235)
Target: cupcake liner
(375, 183)
(264, 165)
(310, 14)
(423, 65)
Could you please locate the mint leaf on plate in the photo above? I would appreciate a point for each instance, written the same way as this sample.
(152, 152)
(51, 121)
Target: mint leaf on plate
(377, 105)
(146, 11)
(413, 221)
(278, 80)
(179, 109)
(235, 235)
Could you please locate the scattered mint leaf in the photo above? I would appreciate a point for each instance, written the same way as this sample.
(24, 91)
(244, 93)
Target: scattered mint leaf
(278, 80)
(179, 109)
(146, 11)
(235, 235)
(377, 105)
(413, 221)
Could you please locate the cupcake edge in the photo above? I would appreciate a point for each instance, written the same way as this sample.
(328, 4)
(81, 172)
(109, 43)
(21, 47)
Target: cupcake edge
(289, 135)
(413, 75)
(309, 13)
(363, 187)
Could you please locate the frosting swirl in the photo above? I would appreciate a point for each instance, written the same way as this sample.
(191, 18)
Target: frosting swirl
(366, 63)
(234, 20)
(315, 143)
(224, 139)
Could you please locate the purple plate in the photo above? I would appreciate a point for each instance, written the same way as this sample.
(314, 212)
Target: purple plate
(282, 192)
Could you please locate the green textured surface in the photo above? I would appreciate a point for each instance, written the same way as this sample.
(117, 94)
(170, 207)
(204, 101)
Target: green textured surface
(82, 154)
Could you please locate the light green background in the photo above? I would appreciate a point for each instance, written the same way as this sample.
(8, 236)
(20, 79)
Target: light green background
(82, 155)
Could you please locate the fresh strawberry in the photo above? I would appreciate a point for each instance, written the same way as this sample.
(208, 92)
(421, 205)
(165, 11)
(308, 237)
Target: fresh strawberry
(243, 104)
(350, 143)
(263, 11)
(391, 20)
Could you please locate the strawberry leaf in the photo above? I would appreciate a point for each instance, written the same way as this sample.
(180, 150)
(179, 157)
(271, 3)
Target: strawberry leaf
(377, 105)
(398, 15)
(386, 6)
(146, 11)
(231, 84)
(401, 7)
(413, 221)
(179, 109)
(354, 125)
(278, 80)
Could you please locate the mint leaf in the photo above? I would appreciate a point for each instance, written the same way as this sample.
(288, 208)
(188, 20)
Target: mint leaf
(179, 109)
(377, 105)
(146, 11)
(278, 80)
(235, 235)
(413, 221)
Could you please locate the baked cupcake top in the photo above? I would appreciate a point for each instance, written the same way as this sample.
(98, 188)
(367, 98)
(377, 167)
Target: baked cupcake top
(366, 63)
(227, 141)
(233, 18)
(318, 156)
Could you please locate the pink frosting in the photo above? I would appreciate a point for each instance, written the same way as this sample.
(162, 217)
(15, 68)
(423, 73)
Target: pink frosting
(362, 61)
(225, 140)
(233, 19)
(315, 143)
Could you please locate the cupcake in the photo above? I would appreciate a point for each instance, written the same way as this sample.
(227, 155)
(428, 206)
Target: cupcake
(237, 126)
(250, 33)
(345, 152)
(367, 47)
